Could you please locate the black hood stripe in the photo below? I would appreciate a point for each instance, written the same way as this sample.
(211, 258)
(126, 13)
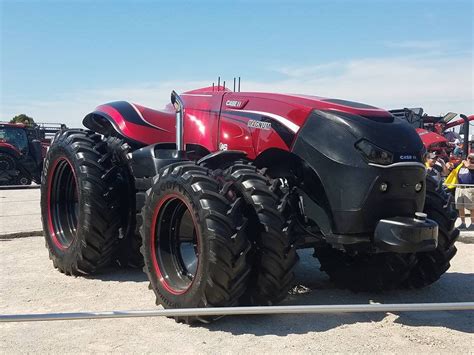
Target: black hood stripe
(129, 114)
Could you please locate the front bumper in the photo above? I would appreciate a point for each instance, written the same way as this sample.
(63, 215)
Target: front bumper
(406, 235)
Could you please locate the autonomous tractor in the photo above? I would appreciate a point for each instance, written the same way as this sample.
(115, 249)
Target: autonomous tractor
(214, 194)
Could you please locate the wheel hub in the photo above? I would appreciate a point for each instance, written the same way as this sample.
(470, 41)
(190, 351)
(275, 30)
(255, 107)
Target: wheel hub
(176, 245)
(63, 204)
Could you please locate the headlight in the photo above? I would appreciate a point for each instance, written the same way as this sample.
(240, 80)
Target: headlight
(374, 154)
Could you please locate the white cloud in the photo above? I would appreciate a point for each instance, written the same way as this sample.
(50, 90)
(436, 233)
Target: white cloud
(70, 108)
(312, 70)
(437, 84)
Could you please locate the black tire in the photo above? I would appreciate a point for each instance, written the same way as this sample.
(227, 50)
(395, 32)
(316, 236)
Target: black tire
(80, 202)
(134, 255)
(8, 169)
(432, 265)
(23, 180)
(185, 199)
(274, 256)
(365, 272)
(129, 234)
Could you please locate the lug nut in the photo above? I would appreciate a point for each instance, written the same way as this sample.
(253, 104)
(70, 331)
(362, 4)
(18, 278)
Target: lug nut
(383, 186)
(419, 187)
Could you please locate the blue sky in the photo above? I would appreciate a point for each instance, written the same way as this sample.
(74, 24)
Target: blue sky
(59, 59)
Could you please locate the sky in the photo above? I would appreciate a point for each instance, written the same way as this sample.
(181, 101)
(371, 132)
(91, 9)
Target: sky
(61, 59)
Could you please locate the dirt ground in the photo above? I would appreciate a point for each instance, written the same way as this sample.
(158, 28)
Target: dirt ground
(30, 284)
(20, 212)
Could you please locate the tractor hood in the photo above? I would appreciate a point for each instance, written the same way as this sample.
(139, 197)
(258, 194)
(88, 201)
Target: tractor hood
(363, 163)
(353, 140)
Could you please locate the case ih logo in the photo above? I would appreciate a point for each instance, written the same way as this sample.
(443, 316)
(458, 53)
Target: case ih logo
(260, 125)
(236, 103)
(408, 157)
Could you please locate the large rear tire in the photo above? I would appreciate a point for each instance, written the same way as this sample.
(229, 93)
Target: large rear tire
(80, 202)
(194, 245)
(274, 256)
(432, 265)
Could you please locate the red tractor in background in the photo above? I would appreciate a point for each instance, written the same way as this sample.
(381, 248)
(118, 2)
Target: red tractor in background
(434, 131)
(215, 193)
(22, 151)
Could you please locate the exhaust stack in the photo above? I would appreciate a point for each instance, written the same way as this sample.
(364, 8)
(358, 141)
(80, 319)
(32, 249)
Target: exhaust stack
(179, 107)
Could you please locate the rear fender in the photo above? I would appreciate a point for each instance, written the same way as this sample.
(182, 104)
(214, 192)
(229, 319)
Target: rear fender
(147, 161)
(122, 119)
(10, 149)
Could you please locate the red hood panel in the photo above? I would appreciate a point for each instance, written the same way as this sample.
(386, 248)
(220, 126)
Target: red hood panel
(429, 138)
(302, 102)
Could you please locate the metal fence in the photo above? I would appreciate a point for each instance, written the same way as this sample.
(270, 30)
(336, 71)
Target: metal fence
(255, 310)
(467, 200)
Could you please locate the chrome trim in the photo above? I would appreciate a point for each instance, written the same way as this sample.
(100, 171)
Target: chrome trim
(394, 165)
(179, 107)
(202, 95)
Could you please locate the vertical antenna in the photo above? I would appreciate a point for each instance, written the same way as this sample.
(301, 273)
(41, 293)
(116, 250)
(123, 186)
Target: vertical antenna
(218, 83)
(239, 83)
(234, 84)
(213, 86)
(223, 85)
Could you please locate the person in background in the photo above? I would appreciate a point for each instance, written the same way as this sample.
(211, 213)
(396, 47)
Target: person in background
(450, 167)
(457, 152)
(436, 166)
(464, 195)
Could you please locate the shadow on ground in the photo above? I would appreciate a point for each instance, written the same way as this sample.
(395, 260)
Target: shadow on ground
(314, 288)
(117, 273)
(322, 292)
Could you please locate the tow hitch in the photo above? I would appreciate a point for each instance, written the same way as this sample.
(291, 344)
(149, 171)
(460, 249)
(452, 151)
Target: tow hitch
(406, 235)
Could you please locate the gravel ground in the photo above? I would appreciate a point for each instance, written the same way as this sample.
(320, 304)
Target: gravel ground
(20, 212)
(30, 284)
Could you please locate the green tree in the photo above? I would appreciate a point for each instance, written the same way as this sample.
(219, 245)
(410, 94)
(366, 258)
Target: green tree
(23, 119)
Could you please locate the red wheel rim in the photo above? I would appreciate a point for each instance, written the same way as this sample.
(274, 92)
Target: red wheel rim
(63, 203)
(175, 244)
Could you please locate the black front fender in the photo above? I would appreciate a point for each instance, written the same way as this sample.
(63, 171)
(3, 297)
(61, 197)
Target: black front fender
(353, 187)
(220, 158)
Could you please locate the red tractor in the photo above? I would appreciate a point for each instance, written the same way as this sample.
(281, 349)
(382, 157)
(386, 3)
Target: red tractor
(434, 130)
(215, 193)
(22, 150)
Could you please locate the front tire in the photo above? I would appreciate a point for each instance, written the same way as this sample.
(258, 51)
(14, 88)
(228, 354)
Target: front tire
(80, 202)
(194, 247)
(274, 256)
(432, 265)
